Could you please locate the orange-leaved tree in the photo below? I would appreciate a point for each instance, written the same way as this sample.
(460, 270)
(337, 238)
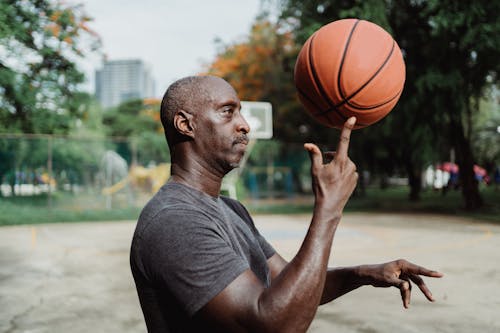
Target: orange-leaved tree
(260, 68)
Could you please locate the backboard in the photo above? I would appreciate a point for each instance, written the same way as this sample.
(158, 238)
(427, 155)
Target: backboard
(259, 116)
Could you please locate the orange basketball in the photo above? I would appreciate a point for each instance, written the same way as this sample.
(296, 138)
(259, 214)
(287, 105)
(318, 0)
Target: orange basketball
(349, 68)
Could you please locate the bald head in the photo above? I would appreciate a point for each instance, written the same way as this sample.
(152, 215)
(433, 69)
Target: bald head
(189, 94)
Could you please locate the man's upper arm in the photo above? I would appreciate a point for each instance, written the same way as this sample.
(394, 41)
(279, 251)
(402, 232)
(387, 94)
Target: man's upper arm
(276, 264)
(236, 307)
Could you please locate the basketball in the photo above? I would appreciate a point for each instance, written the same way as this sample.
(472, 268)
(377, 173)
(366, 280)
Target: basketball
(347, 68)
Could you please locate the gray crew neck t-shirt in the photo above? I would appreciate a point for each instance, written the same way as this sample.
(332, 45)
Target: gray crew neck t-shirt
(187, 247)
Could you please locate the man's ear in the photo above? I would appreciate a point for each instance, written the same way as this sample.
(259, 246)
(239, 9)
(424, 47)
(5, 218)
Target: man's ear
(183, 123)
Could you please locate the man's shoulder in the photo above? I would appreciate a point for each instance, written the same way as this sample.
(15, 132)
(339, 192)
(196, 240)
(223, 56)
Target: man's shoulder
(174, 195)
(238, 208)
(175, 205)
(232, 203)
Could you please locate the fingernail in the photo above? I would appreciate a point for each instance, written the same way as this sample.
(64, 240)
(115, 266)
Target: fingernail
(351, 121)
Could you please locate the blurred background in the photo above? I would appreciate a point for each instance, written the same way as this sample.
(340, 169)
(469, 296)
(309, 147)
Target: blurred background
(81, 83)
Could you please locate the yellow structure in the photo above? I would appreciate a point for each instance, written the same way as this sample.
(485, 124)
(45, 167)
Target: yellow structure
(147, 179)
(46, 179)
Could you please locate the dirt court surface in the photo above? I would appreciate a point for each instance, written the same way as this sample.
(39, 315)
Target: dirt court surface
(76, 277)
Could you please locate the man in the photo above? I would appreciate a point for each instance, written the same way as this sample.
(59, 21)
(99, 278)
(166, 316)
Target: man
(198, 261)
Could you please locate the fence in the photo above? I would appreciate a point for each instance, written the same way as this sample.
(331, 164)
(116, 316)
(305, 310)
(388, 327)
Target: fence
(79, 173)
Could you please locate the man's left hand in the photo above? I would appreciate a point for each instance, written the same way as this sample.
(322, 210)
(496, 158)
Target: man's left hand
(400, 274)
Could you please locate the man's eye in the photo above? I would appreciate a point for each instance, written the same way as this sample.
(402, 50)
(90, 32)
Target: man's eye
(227, 110)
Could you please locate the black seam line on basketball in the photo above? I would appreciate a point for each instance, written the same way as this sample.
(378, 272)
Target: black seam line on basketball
(344, 117)
(315, 75)
(362, 107)
(375, 106)
(324, 113)
(300, 91)
(344, 100)
(320, 86)
(342, 61)
(306, 96)
(332, 105)
(373, 76)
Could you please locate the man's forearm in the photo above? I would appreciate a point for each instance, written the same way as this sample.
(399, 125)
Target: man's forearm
(340, 281)
(299, 287)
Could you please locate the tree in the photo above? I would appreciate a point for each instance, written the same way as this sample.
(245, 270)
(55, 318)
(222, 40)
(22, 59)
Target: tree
(39, 80)
(260, 68)
(377, 149)
(451, 53)
(486, 135)
(465, 42)
(138, 121)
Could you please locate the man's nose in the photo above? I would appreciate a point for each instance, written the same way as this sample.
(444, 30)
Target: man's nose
(243, 125)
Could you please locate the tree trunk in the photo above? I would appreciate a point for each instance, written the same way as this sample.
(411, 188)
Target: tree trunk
(414, 180)
(413, 172)
(465, 159)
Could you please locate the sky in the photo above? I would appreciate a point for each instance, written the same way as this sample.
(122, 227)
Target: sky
(174, 37)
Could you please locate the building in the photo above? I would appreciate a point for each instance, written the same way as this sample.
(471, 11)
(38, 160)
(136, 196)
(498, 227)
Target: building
(122, 80)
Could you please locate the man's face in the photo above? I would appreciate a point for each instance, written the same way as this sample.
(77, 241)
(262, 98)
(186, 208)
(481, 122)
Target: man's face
(220, 129)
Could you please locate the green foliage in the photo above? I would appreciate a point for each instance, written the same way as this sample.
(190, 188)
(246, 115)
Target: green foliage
(305, 17)
(451, 51)
(126, 120)
(151, 147)
(486, 139)
(139, 121)
(38, 78)
(76, 157)
(73, 158)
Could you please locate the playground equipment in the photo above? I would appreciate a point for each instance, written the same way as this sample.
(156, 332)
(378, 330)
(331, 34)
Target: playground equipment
(117, 177)
(147, 179)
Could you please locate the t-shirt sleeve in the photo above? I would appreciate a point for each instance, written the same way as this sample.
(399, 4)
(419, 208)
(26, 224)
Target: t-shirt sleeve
(267, 248)
(190, 257)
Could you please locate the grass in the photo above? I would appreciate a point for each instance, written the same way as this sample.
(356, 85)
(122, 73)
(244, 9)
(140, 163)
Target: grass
(13, 214)
(394, 200)
(35, 210)
(66, 208)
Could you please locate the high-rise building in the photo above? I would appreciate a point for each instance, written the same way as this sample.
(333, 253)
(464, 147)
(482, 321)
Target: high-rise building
(122, 80)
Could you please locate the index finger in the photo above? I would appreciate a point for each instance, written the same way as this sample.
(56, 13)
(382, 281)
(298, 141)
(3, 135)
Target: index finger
(419, 270)
(345, 136)
(422, 286)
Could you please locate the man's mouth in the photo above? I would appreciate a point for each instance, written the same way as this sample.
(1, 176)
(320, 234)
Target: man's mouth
(241, 140)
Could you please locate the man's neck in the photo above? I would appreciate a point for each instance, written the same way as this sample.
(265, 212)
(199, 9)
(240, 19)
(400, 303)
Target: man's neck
(206, 182)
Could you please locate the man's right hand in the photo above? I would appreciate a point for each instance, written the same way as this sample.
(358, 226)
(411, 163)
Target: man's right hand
(333, 182)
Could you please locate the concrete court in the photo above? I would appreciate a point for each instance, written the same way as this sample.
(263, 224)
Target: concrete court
(75, 277)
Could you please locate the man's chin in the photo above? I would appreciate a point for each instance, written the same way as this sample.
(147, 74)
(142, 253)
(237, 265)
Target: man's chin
(234, 165)
(235, 160)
